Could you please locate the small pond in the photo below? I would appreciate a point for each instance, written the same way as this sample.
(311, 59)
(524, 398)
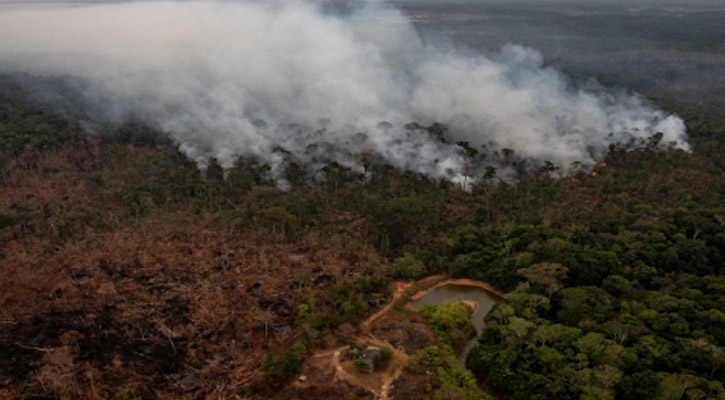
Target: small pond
(455, 292)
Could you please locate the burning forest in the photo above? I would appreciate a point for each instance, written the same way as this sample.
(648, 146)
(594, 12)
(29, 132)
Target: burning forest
(246, 199)
(305, 83)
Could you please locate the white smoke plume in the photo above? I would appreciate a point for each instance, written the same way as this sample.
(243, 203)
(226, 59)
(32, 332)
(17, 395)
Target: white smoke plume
(231, 79)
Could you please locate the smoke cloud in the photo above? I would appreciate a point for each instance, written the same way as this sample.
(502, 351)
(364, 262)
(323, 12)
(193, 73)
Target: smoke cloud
(283, 81)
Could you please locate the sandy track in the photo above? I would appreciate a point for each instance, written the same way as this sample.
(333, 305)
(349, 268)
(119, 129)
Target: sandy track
(381, 390)
(397, 293)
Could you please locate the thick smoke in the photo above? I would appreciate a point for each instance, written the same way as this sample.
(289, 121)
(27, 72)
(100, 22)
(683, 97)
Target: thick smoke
(231, 79)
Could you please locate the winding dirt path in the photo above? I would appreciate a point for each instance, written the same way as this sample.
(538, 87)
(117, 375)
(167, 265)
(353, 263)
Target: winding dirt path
(381, 389)
(342, 374)
(397, 371)
(397, 293)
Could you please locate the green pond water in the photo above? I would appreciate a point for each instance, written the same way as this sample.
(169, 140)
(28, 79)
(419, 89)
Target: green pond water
(452, 293)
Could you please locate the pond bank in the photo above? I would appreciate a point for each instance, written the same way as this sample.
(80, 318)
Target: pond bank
(478, 296)
(395, 326)
(461, 282)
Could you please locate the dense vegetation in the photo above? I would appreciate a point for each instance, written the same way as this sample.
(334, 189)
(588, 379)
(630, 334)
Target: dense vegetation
(638, 336)
(616, 277)
(450, 380)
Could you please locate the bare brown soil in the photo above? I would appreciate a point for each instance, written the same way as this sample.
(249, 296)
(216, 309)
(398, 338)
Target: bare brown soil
(406, 333)
(98, 301)
(398, 291)
(473, 305)
(316, 372)
(172, 304)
